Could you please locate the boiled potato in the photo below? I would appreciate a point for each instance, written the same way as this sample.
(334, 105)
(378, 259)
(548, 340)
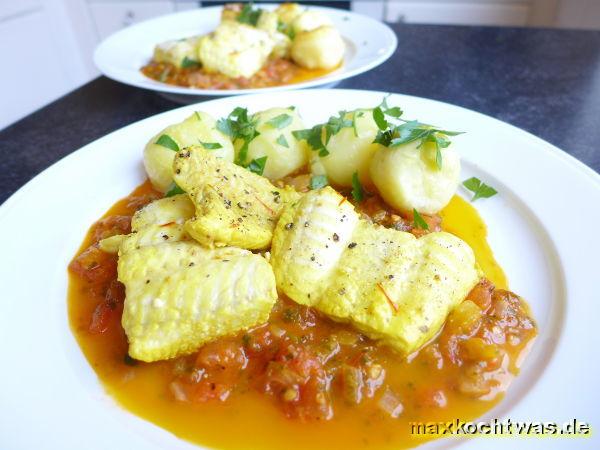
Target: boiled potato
(321, 48)
(274, 135)
(407, 176)
(174, 52)
(198, 128)
(287, 12)
(350, 151)
(310, 20)
(235, 49)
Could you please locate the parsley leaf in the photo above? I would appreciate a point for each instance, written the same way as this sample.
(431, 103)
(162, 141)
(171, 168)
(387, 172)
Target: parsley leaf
(167, 141)
(357, 190)
(174, 189)
(313, 137)
(318, 181)
(379, 119)
(479, 189)
(281, 140)
(286, 29)
(210, 145)
(238, 125)
(249, 15)
(418, 221)
(257, 165)
(394, 111)
(335, 124)
(280, 121)
(189, 63)
(357, 114)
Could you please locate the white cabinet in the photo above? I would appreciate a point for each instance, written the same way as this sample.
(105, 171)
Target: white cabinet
(110, 16)
(459, 13)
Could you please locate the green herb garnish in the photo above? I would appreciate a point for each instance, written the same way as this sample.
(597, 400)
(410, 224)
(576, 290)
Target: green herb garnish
(257, 165)
(249, 15)
(318, 181)
(479, 189)
(280, 121)
(281, 140)
(379, 118)
(189, 63)
(174, 189)
(286, 29)
(357, 190)
(210, 145)
(167, 141)
(418, 221)
(394, 111)
(237, 125)
(313, 137)
(356, 115)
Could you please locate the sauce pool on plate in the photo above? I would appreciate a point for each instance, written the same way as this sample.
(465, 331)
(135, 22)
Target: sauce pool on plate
(241, 392)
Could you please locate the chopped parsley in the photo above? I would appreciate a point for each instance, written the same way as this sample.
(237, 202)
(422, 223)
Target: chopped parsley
(249, 15)
(286, 29)
(318, 181)
(174, 189)
(210, 145)
(357, 190)
(188, 63)
(257, 165)
(237, 125)
(314, 138)
(418, 221)
(479, 189)
(391, 135)
(314, 135)
(280, 121)
(167, 141)
(357, 114)
(281, 140)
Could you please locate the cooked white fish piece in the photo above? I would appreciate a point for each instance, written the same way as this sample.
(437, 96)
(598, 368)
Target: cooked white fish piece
(234, 206)
(180, 296)
(156, 222)
(392, 286)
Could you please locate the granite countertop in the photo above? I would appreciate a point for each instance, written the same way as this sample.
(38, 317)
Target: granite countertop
(544, 81)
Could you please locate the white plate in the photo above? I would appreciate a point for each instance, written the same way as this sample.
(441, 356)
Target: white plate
(542, 229)
(121, 55)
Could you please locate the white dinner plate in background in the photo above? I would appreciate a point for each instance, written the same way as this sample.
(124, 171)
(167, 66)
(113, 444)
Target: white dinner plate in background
(122, 55)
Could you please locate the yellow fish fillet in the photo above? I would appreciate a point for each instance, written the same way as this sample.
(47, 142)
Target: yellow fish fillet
(387, 283)
(233, 205)
(180, 295)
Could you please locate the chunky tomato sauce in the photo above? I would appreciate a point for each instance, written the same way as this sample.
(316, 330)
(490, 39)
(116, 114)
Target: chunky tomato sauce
(302, 380)
(276, 72)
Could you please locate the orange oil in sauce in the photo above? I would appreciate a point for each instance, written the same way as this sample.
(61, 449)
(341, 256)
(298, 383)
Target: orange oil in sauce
(250, 421)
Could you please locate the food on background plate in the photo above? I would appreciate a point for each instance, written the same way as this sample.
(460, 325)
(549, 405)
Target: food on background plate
(251, 48)
(329, 270)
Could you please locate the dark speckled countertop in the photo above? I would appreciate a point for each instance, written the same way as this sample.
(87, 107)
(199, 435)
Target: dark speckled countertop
(544, 81)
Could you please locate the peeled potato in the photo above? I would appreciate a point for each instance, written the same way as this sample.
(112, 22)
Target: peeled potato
(407, 176)
(350, 151)
(198, 128)
(287, 12)
(281, 160)
(310, 20)
(321, 48)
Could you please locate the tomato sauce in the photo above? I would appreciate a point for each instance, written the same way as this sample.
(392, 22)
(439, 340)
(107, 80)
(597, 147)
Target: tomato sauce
(276, 72)
(301, 380)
